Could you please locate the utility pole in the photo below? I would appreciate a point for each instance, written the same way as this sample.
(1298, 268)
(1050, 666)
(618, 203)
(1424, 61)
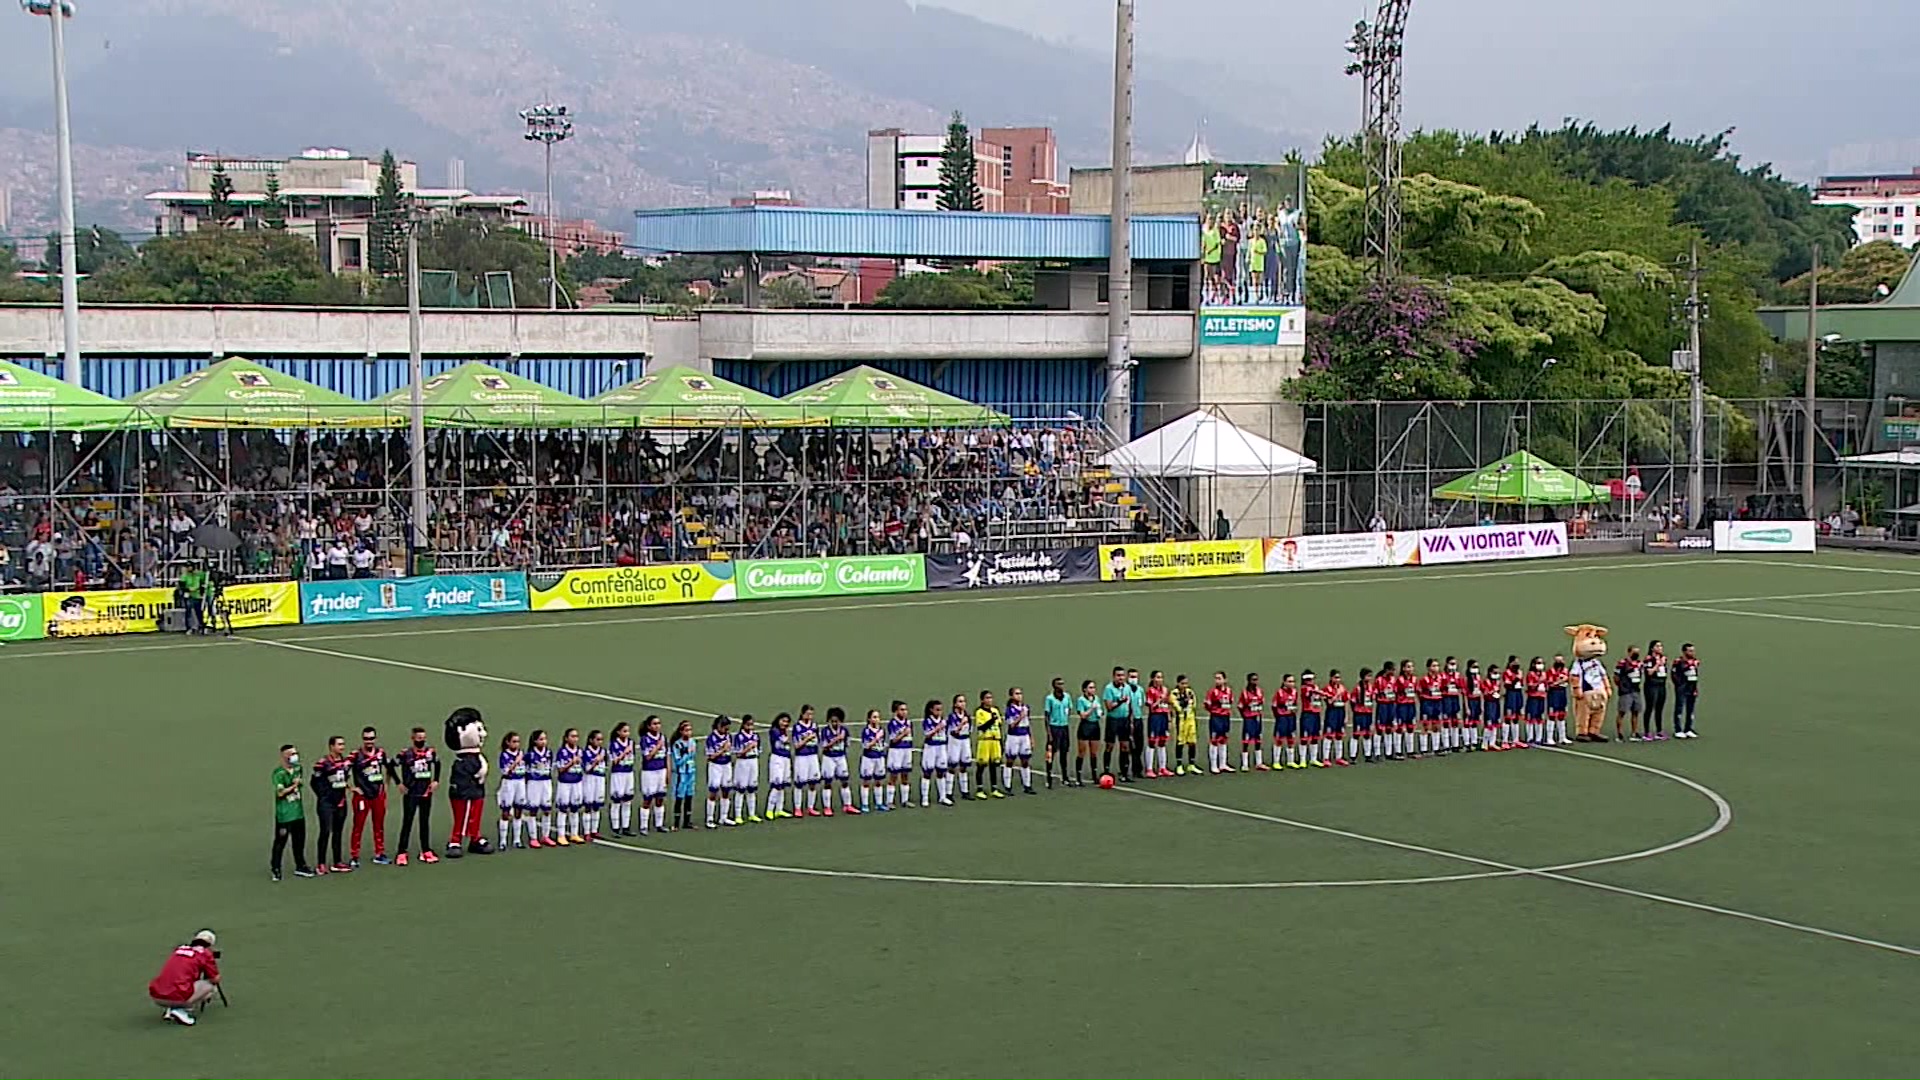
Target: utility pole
(58, 12)
(1807, 400)
(416, 407)
(1118, 414)
(1696, 396)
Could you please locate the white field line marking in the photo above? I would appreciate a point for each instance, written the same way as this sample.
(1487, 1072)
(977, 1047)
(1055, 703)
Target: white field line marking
(1825, 566)
(1723, 818)
(1781, 596)
(756, 609)
(1555, 875)
(1736, 612)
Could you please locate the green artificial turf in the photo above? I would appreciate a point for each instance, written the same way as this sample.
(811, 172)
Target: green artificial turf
(137, 810)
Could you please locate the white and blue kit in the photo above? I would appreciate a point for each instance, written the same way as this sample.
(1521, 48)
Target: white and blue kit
(833, 753)
(653, 766)
(806, 753)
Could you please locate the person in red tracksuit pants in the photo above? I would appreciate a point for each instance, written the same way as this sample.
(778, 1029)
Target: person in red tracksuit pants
(372, 768)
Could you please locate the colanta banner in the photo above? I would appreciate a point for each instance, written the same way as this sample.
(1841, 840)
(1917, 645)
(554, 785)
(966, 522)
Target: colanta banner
(1009, 569)
(366, 600)
(1493, 543)
(1749, 537)
(1179, 559)
(860, 575)
(631, 586)
(1341, 551)
(139, 611)
(21, 617)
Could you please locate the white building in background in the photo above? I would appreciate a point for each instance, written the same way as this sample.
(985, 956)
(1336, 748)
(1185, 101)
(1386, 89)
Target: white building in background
(329, 196)
(1887, 205)
(1017, 170)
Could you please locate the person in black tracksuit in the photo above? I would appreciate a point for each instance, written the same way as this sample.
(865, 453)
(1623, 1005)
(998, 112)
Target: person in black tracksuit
(332, 776)
(1657, 674)
(1686, 692)
(420, 772)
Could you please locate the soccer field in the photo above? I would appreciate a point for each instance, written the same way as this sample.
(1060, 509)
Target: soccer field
(1741, 904)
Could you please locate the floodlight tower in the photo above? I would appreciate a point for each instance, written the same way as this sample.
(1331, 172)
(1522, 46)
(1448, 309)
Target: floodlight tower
(58, 12)
(1377, 48)
(547, 125)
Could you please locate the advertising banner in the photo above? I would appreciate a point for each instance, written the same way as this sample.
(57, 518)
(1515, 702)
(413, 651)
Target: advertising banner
(1748, 537)
(21, 617)
(1179, 559)
(631, 586)
(139, 611)
(1678, 542)
(1341, 551)
(365, 600)
(860, 575)
(1253, 258)
(1493, 543)
(1009, 569)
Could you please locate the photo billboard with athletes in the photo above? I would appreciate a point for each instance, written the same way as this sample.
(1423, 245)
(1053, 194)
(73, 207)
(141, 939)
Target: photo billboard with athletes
(1253, 255)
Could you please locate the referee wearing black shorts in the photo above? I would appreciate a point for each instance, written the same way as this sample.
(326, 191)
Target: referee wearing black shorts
(1117, 699)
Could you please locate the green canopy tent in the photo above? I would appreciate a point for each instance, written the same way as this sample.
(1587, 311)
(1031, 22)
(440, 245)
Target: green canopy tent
(681, 397)
(238, 393)
(867, 397)
(481, 396)
(30, 401)
(1521, 479)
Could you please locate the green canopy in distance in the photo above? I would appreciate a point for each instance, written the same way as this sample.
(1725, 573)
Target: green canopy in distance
(1521, 479)
(871, 398)
(30, 401)
(681, 397)
(476, 395)
(238, 393)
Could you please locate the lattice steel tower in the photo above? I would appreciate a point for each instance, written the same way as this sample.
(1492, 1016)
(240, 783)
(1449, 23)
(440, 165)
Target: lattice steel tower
(1376, 49)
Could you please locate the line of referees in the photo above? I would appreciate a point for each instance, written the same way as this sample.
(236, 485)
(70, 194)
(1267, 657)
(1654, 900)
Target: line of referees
(29, 616)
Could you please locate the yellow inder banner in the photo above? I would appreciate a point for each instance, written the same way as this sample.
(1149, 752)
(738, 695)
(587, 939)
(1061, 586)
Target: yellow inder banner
(632, 586)
(1180, 559)
(138, 611)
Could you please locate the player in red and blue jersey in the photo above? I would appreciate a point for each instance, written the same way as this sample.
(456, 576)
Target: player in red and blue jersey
(1313, 706)
(1219, 704)
(1156, 698)
(1286, 721)
(1337, 695)
(1559, 678)
(1406, 689)
(1535, 683)
(1366, 706)
(1452, 690)
(1253, 701)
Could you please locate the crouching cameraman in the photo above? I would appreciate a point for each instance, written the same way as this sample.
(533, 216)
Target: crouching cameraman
(190, 976)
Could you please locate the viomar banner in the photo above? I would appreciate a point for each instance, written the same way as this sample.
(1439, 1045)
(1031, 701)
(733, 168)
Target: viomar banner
(1493, 543)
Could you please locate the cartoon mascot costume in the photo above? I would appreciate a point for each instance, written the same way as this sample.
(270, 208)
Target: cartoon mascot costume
(1594, 688)
(467, 738)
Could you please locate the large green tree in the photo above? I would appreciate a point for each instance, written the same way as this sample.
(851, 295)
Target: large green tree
(222, 266)
(1858, 277)
(273, 211)
(386, 233)
(473, 249)
(959, 169)
(954, 290)
(95, 248)
(220, 192)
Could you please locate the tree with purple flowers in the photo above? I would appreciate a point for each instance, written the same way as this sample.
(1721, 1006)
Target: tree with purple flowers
(1392, 341)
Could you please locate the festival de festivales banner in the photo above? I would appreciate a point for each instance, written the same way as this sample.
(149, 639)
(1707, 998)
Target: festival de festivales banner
(632, 586)
(1008, 569)
(139, 611)
(1179, 559)
(1253, 255)
(858, 575)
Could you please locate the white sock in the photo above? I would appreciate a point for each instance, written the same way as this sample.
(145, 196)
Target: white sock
(1026, 778)
(775, 796)
(946, 786)
(865, 796)
(660, 816)
(962, 775)
(926, 789)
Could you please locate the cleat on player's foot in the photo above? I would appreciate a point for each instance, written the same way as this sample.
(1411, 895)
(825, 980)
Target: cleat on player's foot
(828, 812)
(342, 868)
(754, 818)
(854, 810)
(428, 856)
(561, 841)
(998, 794)
(979, 796)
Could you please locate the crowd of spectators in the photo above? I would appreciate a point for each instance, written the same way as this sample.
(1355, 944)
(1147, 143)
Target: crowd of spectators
(128, 511)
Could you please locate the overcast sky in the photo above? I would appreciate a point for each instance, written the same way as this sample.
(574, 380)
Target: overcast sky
(1813, 87)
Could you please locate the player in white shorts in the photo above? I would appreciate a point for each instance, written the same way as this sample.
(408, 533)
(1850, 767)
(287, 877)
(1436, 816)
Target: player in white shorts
(719, 771)
(536, 805)
(569, 787)
(1019, 741)
(899, 755)
(513, 793)
(806, 765)
(653, 774)
(620, 781)
(779, 766)
(960, 743)
(746, 771)
(873, 764)
(833, 760)
(595, 761)
(933, 755)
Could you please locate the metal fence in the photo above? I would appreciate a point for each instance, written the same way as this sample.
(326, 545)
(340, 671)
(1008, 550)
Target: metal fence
(124, 508)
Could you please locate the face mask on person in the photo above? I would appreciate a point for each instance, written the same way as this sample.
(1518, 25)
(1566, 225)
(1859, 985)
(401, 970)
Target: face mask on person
(293, 759)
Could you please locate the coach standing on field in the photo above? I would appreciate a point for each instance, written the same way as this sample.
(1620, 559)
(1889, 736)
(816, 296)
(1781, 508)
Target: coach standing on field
(289, 815)
(332, 776)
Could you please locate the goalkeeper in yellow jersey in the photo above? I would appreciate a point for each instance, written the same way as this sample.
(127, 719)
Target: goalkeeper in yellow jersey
(1185, 704)
(989, 731)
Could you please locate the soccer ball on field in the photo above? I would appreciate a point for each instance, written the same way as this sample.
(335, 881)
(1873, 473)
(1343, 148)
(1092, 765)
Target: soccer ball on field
(1106, 781)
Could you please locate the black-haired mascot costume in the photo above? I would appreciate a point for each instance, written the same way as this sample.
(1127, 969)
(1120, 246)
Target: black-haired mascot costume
(467, 738)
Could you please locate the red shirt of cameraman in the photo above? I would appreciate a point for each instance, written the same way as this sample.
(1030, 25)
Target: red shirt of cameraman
(187, 965)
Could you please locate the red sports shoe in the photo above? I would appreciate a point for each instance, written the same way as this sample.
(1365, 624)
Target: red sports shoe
(1261, 768)
(854, 810)
(319, 868)
(828, 812)
(812, 812)
(400, 859)
(1342, 762)
(428, 856)
(1167, 774)
(342, 868)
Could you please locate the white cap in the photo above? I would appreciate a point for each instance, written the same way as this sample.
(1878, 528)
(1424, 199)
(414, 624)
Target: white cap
(205, 937)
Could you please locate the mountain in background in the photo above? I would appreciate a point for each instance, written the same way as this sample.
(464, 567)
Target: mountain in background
(675, 103)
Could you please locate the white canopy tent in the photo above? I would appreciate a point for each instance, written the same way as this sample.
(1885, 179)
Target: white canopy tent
(1203, 444)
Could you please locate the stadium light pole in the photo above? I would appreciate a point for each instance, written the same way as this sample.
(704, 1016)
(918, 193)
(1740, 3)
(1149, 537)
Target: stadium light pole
(1119, 404)
(547, 125)
(1809, 401)
(57, 13)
